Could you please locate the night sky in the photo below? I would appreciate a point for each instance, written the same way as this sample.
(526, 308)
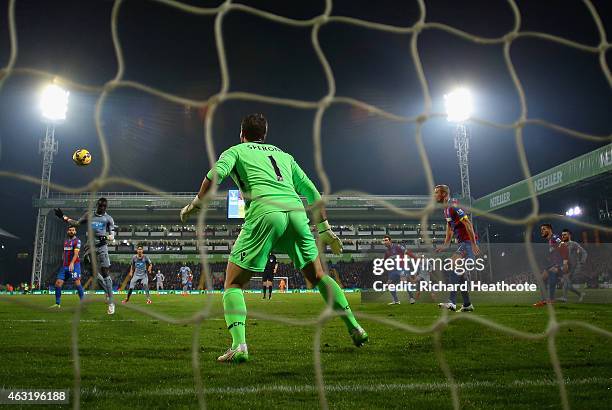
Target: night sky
(175, 52)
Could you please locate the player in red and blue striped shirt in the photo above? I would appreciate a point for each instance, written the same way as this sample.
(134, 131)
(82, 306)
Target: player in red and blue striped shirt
(459, 225)
(556, 263)
(71, 266)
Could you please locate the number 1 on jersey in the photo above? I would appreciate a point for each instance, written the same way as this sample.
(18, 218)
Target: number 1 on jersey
(279, 177)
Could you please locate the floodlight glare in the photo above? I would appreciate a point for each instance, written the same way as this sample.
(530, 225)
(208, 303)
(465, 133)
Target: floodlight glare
(54, 103)
(458, 105)
(575, 211)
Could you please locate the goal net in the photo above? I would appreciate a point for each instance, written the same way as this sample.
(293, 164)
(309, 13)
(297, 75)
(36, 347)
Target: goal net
(319, 107)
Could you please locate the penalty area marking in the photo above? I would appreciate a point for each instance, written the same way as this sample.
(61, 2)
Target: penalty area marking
(374, 388)
(95, 320)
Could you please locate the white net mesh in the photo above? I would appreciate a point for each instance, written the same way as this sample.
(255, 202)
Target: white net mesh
(320, 107)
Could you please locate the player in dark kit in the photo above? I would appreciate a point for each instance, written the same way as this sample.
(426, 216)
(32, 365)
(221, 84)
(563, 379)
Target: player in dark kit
(457, 223)
(103, 227)
(556, 264)
(71, 266)
(267, 279)
(395, 276)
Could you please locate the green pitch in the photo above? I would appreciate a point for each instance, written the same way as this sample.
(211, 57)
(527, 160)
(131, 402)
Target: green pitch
(130, 360)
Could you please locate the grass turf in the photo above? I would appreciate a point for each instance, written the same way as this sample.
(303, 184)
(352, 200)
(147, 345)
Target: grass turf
(132, 360)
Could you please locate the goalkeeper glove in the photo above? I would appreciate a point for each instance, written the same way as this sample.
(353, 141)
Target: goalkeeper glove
(60, 214)
(328, 237)
(193, 207)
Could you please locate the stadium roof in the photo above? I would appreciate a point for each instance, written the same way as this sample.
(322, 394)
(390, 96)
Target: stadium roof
(137, 207)
(579, 169)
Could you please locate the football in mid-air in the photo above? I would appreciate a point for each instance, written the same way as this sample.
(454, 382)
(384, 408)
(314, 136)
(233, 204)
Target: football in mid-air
(81, 157)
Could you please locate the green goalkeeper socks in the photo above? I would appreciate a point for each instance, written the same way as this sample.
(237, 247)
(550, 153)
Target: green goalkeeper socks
(328, 287)
(233, 301)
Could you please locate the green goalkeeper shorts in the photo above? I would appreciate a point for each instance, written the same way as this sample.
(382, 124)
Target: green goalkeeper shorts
(284, 232)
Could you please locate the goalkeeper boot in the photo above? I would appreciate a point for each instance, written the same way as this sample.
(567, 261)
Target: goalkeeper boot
(359, 336)
(55, 306)
(468, 308)
(237, 355)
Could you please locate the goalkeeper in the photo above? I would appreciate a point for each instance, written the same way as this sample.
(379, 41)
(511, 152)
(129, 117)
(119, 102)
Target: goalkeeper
(275, 219)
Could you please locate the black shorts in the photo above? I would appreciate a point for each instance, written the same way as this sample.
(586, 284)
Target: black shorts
(267, 277)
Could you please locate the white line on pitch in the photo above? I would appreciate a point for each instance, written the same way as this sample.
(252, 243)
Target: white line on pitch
(358, 388)
(96, 320)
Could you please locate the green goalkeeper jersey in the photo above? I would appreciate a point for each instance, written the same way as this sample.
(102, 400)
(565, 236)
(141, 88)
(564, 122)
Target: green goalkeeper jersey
(269, 179)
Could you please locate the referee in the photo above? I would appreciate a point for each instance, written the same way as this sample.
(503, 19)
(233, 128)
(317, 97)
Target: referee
(268, 275)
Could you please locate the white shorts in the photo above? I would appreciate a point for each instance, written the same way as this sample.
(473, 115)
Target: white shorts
(144, 281)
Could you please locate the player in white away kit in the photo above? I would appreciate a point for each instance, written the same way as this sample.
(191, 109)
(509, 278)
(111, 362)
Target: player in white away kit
(577, 257)
(184, 273)
(139, 272)
(103, 227)
(159, 280)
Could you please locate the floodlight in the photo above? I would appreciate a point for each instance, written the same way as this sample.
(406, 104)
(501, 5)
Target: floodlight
(54, 103)
(458, 105)
(575, 211)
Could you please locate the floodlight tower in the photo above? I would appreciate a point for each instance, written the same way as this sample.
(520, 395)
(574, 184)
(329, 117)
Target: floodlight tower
(459, 109)
(54, 105)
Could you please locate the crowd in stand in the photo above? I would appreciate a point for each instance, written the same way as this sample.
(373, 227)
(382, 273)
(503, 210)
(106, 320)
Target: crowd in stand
(354, 274)
(350, 274)
(20, 287)
(521, 278)
(156, 228)
(342, 230)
